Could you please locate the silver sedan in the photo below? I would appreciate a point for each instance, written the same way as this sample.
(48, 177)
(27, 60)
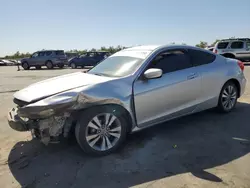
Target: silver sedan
(133, 89)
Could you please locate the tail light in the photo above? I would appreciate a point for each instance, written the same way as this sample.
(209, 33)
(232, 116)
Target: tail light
(241, 65)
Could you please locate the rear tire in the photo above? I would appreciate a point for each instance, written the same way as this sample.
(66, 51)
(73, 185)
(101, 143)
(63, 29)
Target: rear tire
(104, 138)
(228, 97)
(49, 65)
(25, 66)
(73, 65)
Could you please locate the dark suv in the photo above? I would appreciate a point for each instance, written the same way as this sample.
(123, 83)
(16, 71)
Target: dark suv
(48, 58)
(88, 59)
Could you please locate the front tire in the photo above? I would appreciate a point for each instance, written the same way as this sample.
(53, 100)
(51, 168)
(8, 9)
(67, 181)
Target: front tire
(101, 130)
(49, 65)
(228, 97)
(25, 66)
(73, 65)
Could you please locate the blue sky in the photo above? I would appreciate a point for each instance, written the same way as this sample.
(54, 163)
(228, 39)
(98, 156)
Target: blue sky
(31, 25)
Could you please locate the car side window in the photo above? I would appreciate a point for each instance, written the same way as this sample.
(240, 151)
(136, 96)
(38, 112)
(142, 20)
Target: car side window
(91, 54)
(41, 54)
(200, 58)
(248, 45)
(35, 55)
(222, 45)
(237, 45)
(48, 53)
(171, 61)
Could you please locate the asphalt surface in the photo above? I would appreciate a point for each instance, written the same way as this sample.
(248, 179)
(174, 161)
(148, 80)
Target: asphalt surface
(202, 150)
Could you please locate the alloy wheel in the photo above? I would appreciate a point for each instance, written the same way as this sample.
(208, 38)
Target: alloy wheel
(229, 97)
(103, 132)
(25, 66)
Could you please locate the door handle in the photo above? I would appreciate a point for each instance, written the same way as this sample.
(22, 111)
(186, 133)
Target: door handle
(192, 76)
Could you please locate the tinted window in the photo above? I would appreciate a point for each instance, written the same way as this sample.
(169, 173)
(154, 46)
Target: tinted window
(91, 54)
(35, 54)
(200, 58)
(171, 61)
(237, 45)
(48, 53)
(222, 45)
(41, 54)
(248, 45)
(59, 52)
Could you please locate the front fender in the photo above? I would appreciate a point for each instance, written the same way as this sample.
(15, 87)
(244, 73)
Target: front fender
(96, 95)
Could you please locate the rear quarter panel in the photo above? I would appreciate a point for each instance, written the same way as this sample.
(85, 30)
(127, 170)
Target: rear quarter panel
(214, 76)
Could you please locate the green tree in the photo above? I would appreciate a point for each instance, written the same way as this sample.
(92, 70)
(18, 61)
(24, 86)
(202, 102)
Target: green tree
(202, 44)
(103, 48)
(217, 40)
(93, 50)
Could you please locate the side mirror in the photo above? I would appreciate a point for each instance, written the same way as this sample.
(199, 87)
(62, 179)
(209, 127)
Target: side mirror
(153, 73)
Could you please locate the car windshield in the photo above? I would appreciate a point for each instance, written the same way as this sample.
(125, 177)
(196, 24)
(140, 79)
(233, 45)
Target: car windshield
(117, 66)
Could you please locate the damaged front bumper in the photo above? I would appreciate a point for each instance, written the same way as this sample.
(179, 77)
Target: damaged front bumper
(47, 129)
(16, 122)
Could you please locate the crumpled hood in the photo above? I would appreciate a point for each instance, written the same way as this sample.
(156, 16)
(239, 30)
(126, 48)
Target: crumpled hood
(58, 84)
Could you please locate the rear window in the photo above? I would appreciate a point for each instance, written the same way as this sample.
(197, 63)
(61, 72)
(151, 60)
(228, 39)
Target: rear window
(59, 52)
(222, 45)
(237, 45)
(200, 58)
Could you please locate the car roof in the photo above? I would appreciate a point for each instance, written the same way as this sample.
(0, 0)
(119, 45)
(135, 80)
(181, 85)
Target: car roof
(97, 52)
(49, 50)
(144, 47)
(155, 47)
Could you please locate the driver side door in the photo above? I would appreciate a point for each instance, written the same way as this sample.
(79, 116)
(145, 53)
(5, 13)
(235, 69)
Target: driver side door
(33, 59)
(174, 94)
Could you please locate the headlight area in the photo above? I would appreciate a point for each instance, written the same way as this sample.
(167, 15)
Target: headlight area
(51, 117)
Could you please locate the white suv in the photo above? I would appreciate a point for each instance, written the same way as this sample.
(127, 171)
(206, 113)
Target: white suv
(234, 48)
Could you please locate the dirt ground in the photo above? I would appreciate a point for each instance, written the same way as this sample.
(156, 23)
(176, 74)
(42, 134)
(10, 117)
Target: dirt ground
(202, 150)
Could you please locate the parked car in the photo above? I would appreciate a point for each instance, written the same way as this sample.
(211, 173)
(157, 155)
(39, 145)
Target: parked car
(71, 55)
(88, 59)
(132, 89)
(210, 49)
(7, 62)
(2, 63)
(48, 58)
(238, 48)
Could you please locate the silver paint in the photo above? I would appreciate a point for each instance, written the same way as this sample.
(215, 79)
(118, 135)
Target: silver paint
(147, 101)
(103, 135)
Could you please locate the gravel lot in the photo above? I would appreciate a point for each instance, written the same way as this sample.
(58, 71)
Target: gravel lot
(202, 150)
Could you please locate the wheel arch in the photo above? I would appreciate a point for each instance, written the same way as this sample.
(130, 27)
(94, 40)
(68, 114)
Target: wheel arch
(237, 84)
(229, 55)
(118, 107)
(24, 62)
(48, 60)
